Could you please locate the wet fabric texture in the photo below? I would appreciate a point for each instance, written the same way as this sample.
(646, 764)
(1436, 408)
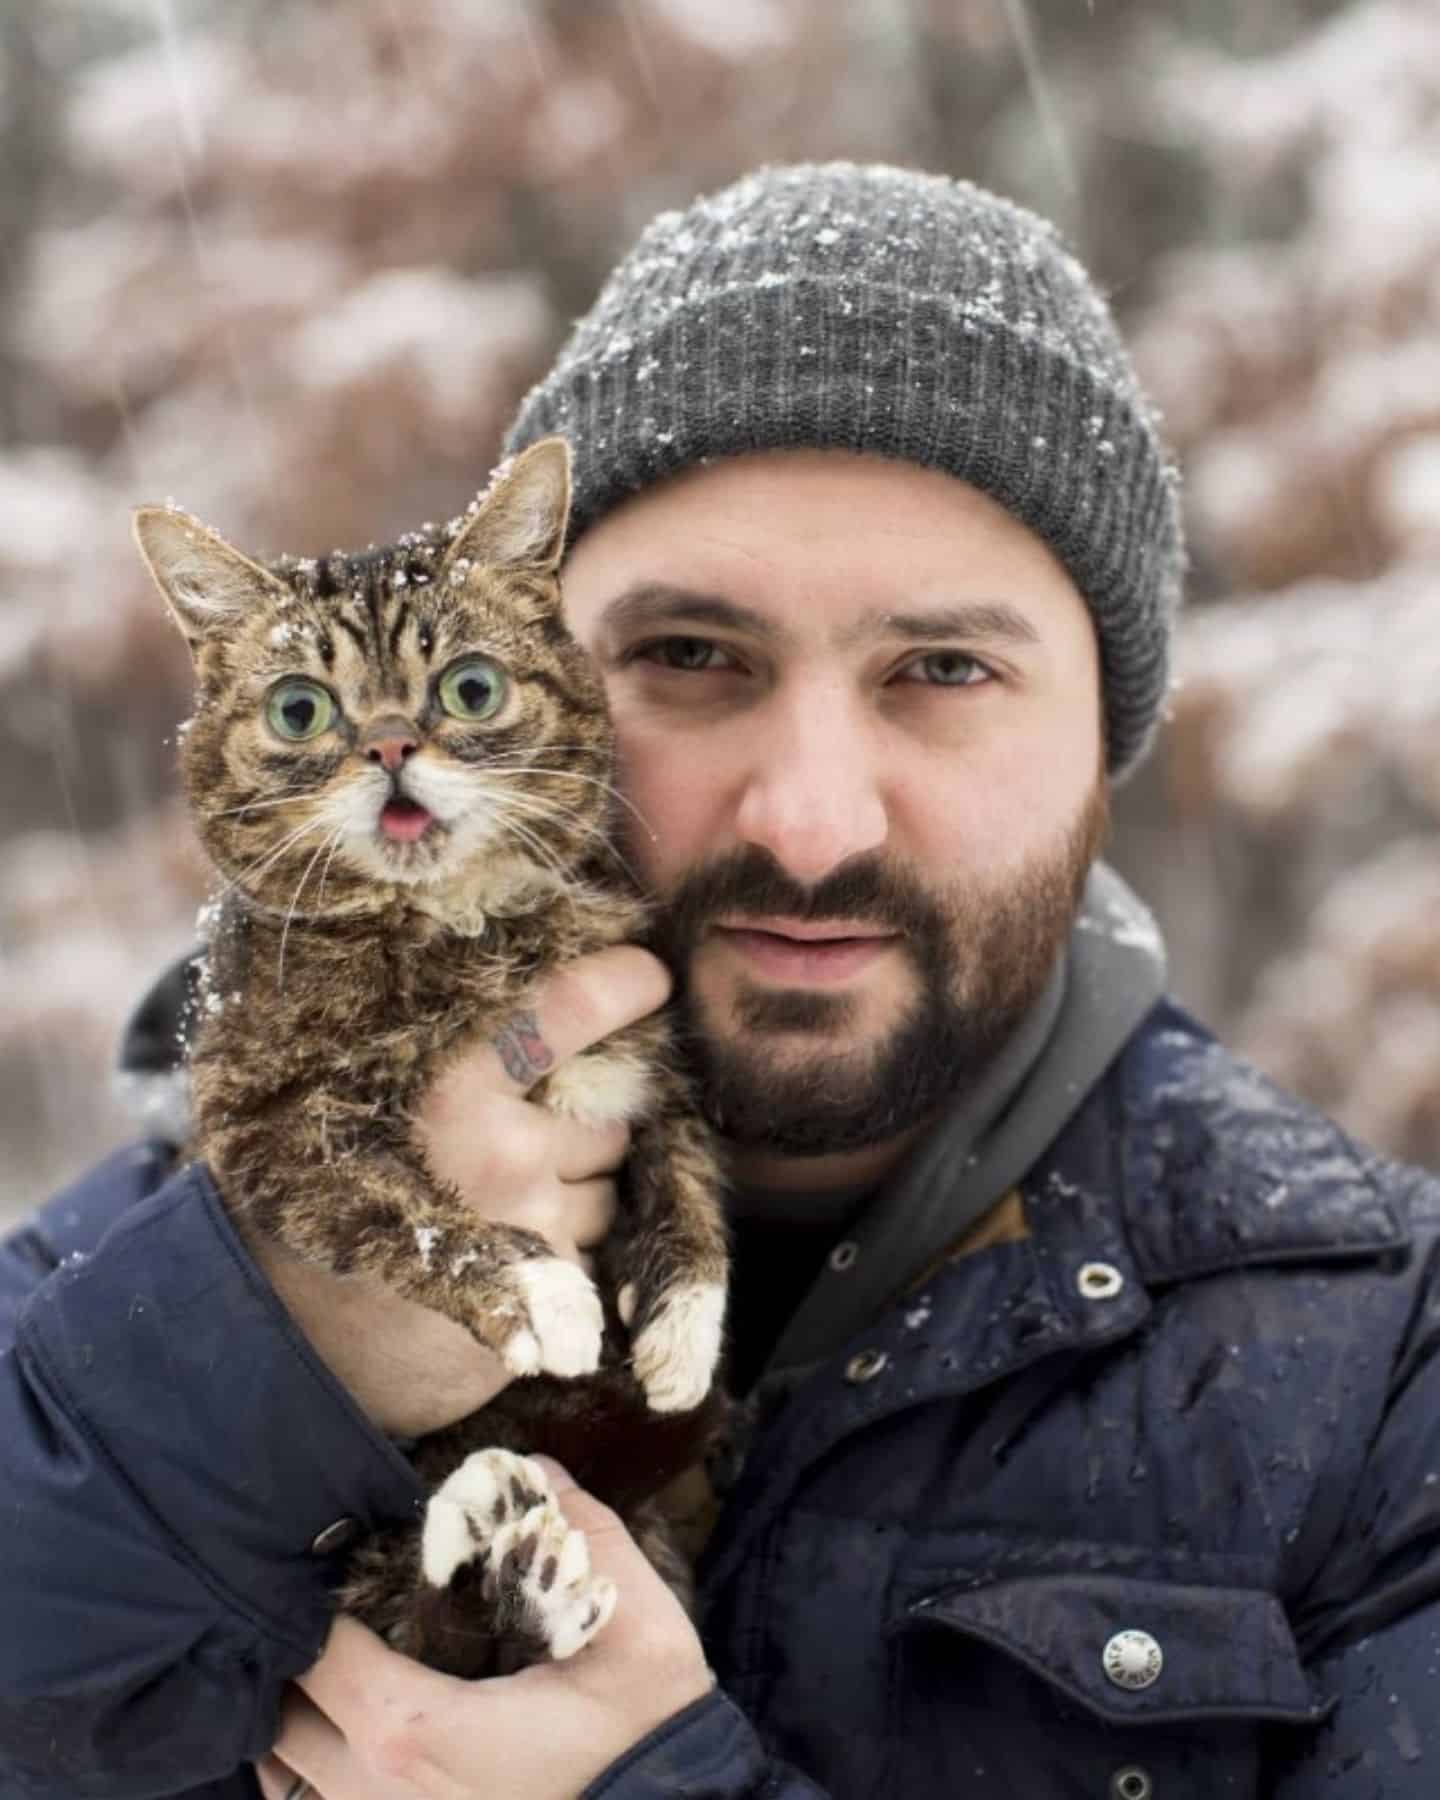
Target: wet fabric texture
(1145, 1501)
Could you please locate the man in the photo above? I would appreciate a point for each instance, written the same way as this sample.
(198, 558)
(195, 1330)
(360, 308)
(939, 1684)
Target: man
(1095, 1440)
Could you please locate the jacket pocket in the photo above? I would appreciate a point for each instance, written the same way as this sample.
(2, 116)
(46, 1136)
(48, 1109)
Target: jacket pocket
(1094, 1687)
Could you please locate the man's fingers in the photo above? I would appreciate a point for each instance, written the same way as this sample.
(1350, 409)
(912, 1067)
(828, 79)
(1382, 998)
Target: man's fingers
(589, 1212)
(650, 1636)
(582, 1152)
(573, 1218)
(613, 1551)
(275, 1779)
(580, 1507)
(574, 1007)
(356, 1681)
(309, 1747)
(517, 1144)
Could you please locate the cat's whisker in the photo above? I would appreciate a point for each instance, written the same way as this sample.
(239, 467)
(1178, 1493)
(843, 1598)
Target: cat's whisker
(594, 838)
(229, 812)
(535, 808)
(266, 858)
(536, 845)
(262, 863)
(528, 806)
(290, 914)
(335, 841)
(555, 750)
(607, 787)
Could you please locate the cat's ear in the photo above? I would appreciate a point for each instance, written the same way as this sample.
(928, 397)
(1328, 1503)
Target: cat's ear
(206, 582)
(521, 519)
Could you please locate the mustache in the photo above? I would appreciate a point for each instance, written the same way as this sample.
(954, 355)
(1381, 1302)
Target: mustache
(868, 889)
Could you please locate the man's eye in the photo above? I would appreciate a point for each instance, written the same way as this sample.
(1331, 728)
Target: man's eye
(683, 653)
(946, 668)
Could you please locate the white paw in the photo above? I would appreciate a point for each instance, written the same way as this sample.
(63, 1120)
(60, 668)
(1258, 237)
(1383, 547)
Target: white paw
(497, 1508)
(565, 1604)
(674, 1357)
(601, 1087)
(566, 1320)
(487, 1490)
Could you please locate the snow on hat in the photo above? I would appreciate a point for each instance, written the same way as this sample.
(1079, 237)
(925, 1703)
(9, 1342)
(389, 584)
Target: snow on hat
(907, 315)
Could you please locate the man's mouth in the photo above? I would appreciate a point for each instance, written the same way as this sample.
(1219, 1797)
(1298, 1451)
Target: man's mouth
(405, 821)
(803, 952)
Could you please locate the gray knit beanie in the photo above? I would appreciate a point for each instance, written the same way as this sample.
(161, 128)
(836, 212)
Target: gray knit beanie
(908, 315)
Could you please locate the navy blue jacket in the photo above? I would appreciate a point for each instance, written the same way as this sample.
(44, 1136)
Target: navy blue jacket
(1145, 1504)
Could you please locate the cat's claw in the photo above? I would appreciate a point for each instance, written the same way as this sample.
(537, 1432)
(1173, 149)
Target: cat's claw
(674, 1356)
(497, 1511)
(566, 1321)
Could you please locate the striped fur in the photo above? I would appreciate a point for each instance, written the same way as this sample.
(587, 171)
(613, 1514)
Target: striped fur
(345, 965)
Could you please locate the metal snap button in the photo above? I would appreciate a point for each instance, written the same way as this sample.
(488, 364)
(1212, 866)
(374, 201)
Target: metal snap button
(1099, 1281)
(866, 1366)
(338, 1536)
(1133, 1659)
(1132, 1783)
(842, 1257)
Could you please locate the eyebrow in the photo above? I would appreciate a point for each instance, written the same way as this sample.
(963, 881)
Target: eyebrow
(651, 604)
(992, 621)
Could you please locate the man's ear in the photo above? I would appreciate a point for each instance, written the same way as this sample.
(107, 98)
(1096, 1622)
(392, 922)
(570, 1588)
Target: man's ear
(521, 519)
(206, 583)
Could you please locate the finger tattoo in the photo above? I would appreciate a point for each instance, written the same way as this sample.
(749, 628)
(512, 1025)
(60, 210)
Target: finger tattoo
(523, 1051)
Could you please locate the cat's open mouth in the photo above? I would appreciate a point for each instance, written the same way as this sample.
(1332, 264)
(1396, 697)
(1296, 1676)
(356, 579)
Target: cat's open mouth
(405, 821)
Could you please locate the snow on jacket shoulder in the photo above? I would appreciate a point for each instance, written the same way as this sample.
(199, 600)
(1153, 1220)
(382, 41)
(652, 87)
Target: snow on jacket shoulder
(1146, 1503)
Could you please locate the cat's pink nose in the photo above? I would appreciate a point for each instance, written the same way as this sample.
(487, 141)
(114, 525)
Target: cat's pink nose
(388, 742)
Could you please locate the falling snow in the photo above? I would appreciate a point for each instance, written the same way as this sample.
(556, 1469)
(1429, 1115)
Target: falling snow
(316, 337)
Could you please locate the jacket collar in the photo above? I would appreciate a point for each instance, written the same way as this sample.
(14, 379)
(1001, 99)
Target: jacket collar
(1221, 1169)
(1184, 1161)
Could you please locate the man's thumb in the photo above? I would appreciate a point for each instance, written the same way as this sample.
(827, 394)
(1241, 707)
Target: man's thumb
(646, 1601)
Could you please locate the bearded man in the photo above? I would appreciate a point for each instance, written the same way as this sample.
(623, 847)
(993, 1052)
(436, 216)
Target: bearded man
(1091, 1384)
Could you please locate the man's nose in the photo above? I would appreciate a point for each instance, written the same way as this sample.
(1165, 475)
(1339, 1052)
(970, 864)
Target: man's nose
(813, 797)
(388, 741)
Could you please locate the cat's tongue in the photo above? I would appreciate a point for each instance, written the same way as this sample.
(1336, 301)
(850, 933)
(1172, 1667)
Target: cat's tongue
(404, 820)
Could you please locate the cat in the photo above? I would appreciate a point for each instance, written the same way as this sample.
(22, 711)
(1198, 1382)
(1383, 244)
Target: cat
(399, 764)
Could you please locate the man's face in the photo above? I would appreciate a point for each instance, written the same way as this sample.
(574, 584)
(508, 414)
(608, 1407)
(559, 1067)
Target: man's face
(857, 710)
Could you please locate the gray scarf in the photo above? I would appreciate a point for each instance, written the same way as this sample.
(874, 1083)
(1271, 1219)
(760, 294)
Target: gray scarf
(1112, 973)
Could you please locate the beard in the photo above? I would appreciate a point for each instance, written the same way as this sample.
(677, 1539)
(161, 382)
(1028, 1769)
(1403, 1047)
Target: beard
(979, 957)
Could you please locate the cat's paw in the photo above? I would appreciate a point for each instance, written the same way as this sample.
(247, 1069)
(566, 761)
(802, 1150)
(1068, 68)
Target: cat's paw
(601, 1087)
(675, 1354)
(564, 1319)
(496, 1511)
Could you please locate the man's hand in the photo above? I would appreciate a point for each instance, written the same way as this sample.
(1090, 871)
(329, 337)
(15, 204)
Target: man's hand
(367, 1724)
(515, 1162)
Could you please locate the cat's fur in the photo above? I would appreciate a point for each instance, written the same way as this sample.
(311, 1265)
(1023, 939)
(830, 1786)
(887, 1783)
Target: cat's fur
(345, 964)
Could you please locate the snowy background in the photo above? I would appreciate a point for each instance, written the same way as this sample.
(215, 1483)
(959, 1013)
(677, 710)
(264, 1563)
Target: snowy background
(293, 262)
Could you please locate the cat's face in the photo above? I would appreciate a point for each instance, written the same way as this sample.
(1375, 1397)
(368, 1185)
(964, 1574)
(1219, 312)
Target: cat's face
(403, 718)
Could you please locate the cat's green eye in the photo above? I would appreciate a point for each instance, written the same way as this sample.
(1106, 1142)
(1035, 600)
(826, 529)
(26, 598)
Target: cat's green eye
(298, 709)
(474, 690)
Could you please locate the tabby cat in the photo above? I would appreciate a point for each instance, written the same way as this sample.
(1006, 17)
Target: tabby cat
(400, 764)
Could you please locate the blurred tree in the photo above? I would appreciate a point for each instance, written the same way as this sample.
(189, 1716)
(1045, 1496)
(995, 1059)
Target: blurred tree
(293, 262)
(1302, 381)
(27, 112)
